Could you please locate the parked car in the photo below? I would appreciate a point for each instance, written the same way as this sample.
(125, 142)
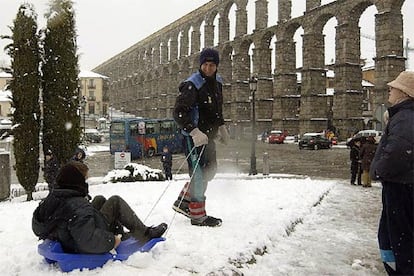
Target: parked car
(314, 141)
(276, 137)
(291, 139)
(93, 135)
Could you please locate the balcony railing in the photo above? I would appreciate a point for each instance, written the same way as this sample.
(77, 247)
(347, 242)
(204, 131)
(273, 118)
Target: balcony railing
(91, 98)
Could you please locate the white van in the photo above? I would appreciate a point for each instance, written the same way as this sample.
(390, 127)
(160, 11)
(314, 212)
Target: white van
(370, 132)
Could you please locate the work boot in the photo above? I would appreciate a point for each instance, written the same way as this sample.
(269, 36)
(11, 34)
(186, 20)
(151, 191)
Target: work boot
(181, 206)
(206, 221)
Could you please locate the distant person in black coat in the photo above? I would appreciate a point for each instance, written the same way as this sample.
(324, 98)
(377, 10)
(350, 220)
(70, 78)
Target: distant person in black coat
(355, 161)
(393, 165)
(66, 215)
(166, 160)
(50, 169)
(79, 155)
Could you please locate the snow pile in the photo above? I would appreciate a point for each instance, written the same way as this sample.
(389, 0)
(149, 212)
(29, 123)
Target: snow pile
(134, 172)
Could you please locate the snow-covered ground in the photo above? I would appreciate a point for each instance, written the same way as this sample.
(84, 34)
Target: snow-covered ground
(279, 225)
(271, 226)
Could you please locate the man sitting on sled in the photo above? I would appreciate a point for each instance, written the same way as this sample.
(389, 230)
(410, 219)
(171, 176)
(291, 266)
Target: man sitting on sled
(96, 227)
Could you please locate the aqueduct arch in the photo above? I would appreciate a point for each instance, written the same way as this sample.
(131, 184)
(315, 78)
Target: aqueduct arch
(144, 78)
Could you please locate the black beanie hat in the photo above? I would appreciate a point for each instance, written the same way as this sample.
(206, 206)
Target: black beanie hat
(209, 54)
(69, 177)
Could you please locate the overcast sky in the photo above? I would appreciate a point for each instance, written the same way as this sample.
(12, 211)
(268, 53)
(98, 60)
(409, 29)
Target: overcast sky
(107, 27)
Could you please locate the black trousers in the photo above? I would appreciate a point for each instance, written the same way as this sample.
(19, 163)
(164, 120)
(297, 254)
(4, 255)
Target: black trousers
(356, 172)
(168, 173)
(119, 214)
(396, 233)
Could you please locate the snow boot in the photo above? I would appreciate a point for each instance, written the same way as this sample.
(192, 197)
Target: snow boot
(199, 216)
(181, 206)
(207, 221)
(157, 231)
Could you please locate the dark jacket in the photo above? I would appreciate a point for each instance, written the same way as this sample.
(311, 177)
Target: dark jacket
(200, 104)
(393, 161)
(82, 157)
(354, 153)
(367, 153)
(166, 159)
(67, 216)
(51, 170)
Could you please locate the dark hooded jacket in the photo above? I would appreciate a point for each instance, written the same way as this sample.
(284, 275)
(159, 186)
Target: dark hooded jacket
(200, 104)
(51, 170)
(67, 216)
(82, 157)
(394, 159)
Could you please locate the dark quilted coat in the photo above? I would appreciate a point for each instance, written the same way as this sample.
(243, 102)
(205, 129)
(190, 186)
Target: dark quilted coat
(394, 158)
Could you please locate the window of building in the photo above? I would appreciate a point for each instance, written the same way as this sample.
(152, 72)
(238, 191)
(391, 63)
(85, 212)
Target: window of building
(91, 107)
(91, 84)
(91, 96)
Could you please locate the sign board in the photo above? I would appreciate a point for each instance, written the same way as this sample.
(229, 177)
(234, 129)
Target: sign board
(122, 158)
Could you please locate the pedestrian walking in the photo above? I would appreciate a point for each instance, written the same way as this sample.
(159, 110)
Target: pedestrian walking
(198, 111)
(393, 165)
(355, 161)
(166, 160)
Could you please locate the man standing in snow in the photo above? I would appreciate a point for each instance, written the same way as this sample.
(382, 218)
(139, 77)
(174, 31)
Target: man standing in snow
(198, 112)
(355, 161)
(393, 165)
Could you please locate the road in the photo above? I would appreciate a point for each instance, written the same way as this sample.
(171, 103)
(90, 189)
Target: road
(284, 158)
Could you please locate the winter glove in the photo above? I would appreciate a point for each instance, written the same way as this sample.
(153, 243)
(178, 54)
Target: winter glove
(199, 138)
(223, 134)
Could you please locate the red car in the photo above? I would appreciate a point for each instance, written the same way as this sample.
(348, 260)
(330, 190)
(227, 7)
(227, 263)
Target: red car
(276, 137)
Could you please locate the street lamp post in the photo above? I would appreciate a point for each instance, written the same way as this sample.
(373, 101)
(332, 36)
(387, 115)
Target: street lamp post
(253, 88)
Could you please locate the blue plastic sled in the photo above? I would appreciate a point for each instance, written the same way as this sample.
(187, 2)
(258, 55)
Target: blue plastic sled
(53, 252)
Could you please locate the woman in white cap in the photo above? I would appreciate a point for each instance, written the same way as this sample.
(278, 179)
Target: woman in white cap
(393, 166)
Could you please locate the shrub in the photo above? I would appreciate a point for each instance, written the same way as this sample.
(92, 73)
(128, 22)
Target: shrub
(134, 172)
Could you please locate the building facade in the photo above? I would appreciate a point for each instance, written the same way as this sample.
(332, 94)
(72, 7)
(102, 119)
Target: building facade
(5, 95)
(94, 90)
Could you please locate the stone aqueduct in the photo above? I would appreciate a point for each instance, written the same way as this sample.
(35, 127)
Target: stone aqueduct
(144, 78)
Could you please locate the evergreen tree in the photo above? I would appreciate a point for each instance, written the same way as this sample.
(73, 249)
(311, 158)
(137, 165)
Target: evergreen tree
(25, 86)
(61, 124)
